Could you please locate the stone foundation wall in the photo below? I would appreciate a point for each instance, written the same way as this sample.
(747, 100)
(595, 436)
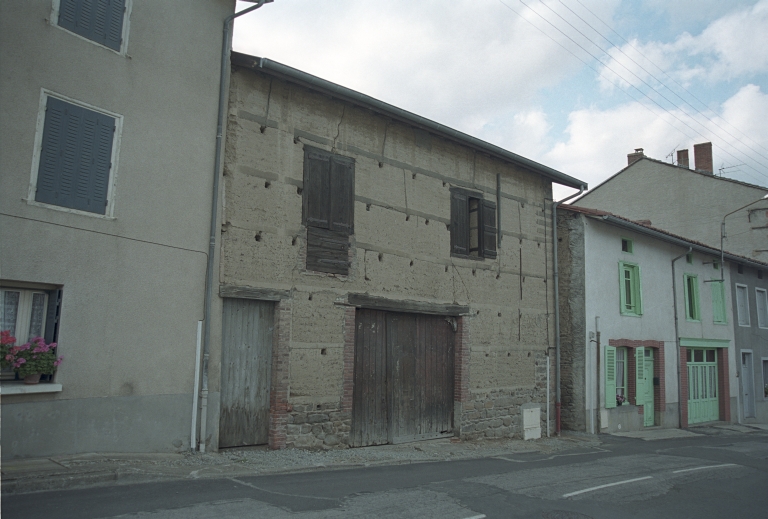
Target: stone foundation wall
(318, 426)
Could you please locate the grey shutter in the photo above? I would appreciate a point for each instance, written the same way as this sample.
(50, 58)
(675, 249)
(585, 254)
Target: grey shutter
(75, 159)
(488, 222)
(342, 195)
(52, 316)
(459, 222)
(98, 20)
(317, 166)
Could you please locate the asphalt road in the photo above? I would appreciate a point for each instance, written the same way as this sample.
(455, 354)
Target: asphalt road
(701, 477)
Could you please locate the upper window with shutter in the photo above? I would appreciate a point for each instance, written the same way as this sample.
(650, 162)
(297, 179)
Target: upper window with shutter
(101, 21)
(329, 209)
(473, 225)
(76, 155)
(742, 305)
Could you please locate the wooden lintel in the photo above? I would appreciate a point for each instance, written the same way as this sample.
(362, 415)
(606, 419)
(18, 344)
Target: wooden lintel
(262, 294)
(414, 307)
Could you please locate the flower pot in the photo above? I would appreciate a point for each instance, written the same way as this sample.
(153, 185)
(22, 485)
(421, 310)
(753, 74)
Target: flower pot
(32, 379)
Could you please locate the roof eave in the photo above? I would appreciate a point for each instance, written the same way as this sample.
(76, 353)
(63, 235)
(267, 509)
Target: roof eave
(308, 80)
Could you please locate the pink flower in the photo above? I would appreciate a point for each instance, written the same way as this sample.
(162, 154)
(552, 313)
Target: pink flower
(24, 347)
(9, 358)
(58, 361)
(19, 363)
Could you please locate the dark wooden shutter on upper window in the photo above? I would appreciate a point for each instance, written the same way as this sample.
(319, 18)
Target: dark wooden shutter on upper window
(488, 222)
(342, 195)
(459, 222)
(317, 184)
(98, 20)
(76, 157)
(52, 316)
(329, 205)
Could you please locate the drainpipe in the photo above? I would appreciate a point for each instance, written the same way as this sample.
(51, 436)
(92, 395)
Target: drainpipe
(557, 307)
(677, 338)
(225, 49)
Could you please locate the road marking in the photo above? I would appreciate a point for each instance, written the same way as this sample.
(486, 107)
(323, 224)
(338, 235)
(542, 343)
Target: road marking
(596, 450)
(281, 493)
(481, 516)
(702, 468)
(605, 486)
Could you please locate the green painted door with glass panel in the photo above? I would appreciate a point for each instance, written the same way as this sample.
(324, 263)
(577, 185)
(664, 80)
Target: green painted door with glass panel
(702, 385)
(644, 372)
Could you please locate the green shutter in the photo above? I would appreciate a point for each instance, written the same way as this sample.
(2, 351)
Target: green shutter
(640, 375)
(610, 377)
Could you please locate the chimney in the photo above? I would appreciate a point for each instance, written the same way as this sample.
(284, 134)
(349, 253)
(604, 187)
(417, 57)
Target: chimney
(634, 157)
(702, 156)
(682, 158)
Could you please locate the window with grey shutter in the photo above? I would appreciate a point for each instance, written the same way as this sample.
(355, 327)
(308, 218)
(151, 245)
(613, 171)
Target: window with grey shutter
(459, 222)
(488, 223)
(98, 20)
(75, 159)
(473, 225)
(329, 198)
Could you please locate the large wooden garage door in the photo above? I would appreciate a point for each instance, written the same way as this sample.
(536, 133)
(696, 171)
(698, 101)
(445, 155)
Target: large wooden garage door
(246, 372)
(403, 384)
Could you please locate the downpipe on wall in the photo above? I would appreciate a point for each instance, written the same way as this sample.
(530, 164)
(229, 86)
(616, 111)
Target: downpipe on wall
(558, 402)
(677, 339)
(225, 50)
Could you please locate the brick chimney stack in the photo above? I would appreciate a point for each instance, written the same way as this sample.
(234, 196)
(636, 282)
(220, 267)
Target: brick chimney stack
(634, 157)
(702, 156)
(682, 158)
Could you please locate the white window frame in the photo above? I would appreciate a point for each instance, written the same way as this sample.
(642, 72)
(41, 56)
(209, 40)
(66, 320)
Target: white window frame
(747, 321)
(762, 320)
(23, 316)
(126, 27)
(109, 211)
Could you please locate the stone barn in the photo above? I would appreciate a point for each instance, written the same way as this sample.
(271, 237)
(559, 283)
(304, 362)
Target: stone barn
(382, 278)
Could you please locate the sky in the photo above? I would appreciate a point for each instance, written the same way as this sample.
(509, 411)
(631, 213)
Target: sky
(573, 84)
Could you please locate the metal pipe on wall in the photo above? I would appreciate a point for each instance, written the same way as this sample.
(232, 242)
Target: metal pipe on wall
(225, 49)
(677, 339)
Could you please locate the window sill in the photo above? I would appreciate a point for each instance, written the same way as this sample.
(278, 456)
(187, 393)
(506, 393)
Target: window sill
(68, 210)
(20, 388)
(627, 314)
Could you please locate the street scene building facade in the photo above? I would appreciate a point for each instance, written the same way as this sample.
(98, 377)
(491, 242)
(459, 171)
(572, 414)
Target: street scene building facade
(647, 326)
(390, 276)
(105, 182)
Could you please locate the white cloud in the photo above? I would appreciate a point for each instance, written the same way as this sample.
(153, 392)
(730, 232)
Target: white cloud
(459, 63)
(599, 140)
(730, 47)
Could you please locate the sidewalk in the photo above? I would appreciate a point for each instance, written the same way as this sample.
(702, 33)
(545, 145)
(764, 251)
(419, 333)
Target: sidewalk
(81, 470)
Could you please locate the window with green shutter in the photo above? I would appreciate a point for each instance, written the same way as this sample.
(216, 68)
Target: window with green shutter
(718, 302)
(610, 377)
(629, 289)
(692, 306)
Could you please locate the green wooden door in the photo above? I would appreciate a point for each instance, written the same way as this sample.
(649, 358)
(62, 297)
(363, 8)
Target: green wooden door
(648, 408)
(702, 385)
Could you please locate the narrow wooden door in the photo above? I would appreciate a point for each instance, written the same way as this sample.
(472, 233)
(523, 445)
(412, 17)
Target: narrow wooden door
(648, 407)
(246, 372)
(370, 394)
(747, 384)
(703, 393)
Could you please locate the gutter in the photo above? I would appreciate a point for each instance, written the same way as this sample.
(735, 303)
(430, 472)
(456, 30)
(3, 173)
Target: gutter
(225, 50)
(555, 269)
(315, 83)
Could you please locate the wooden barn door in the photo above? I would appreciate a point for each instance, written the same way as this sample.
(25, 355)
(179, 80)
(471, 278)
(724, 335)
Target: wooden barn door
(246, 372)
(404, 369)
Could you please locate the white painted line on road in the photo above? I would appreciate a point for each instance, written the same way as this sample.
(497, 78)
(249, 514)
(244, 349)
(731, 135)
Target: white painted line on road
(707, 467)
(605, 486)
(281, 493)
(481, 516)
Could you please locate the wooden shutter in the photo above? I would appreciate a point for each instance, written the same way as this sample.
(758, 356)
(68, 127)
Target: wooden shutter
(98, 20)
(718, 302)
(76, 157)
(459, 222)
(640, 375)
(488, 222)
(342, 195)
(327, 251)
(52, 316)
(610, 377)
(317, 183)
